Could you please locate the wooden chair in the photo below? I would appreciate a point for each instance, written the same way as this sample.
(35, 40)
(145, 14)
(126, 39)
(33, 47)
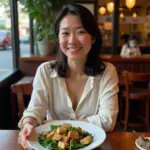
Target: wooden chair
(20, 90)
(133, 92)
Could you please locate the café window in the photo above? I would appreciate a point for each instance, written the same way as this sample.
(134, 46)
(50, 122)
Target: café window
(24, 30)
(135, 22)
(6, 54)
(104, 19)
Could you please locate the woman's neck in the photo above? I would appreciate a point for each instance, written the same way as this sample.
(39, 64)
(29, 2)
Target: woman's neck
(76, 67)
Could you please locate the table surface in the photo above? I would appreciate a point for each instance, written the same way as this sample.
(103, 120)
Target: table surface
(114, 140)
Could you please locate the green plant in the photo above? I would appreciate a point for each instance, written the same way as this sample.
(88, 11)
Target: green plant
(44, 12)
(2, 27)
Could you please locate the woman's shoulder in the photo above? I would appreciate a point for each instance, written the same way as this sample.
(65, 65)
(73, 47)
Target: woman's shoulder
(125, 46)
(47, 66)
(109, 67)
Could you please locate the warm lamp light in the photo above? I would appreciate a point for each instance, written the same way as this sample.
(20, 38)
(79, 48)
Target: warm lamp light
(134, 15)
(110, 7)
(102, 10)
(130, 3)
(121, 15)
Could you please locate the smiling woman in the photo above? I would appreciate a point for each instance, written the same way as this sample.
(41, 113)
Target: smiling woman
(77, 81)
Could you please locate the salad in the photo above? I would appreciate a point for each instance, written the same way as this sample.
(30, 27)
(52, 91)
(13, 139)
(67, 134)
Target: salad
(65, 137)
(145, 145)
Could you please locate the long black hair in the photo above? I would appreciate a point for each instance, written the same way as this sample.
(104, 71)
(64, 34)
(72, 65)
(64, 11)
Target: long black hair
(94, 64)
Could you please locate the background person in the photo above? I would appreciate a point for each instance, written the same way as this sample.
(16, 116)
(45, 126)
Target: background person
(78, 85)
(130, 49)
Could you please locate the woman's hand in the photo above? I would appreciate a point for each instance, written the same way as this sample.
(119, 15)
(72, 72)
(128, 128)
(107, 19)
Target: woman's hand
(24, 134)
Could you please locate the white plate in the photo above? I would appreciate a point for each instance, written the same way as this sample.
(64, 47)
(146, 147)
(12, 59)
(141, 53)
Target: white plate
(138, 143)
(98, 134)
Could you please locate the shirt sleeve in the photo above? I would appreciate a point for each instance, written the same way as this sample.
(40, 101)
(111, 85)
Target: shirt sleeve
(108, 104)
(38, 104)
(123, 51)
(139, 51)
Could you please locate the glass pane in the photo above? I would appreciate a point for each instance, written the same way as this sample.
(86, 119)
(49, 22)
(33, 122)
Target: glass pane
(6, 59)
(105, 23)
(135, 22)
(24, 32)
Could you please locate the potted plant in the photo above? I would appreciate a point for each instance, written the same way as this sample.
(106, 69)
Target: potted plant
(44, 12)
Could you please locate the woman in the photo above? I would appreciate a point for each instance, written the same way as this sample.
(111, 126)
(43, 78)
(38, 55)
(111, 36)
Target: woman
(130, 49)
(78, 85)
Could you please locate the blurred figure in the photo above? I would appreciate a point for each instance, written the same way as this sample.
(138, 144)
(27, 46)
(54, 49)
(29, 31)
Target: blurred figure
(130, 49)
(125, 38)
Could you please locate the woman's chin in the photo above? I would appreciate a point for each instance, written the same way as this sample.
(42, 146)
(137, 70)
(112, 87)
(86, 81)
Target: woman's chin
(76, 58)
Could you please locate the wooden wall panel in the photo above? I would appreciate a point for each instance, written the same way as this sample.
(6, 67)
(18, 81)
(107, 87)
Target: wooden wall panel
(28, 65)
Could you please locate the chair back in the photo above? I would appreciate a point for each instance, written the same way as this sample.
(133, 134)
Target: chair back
(21, 90)
(134, 77)
(137, 88)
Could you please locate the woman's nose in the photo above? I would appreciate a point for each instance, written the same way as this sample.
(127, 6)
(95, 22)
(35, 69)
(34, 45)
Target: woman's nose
(72, 38)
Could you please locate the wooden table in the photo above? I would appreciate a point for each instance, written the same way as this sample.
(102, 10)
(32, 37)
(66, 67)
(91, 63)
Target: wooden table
(8, 140)
(114, 141)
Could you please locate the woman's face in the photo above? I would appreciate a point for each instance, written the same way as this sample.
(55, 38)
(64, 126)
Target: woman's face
(132, 43)
(75, 42)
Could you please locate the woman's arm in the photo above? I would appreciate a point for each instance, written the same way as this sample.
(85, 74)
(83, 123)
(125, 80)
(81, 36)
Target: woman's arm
(138, 51)
(39, 99)
(108, 105)
(29, 120)
(123, 51)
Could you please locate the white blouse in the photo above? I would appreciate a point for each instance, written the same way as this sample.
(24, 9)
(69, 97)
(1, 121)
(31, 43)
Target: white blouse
(127, 52)
(98, 103)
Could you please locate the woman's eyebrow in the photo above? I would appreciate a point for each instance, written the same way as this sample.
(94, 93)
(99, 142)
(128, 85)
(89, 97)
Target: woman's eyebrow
(63, 28)
(67, 28)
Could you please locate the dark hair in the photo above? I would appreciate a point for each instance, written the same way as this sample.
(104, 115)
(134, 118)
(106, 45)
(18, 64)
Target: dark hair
(131, 37)
(125, 37)
(94, 64)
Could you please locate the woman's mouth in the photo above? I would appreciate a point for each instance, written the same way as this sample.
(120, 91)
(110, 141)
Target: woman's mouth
(74, 50)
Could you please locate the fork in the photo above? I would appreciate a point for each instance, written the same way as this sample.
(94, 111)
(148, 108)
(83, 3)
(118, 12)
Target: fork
(142, 138)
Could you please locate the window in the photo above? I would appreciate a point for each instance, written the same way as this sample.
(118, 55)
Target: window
(136, 22)
(6, 55)
(24, 31)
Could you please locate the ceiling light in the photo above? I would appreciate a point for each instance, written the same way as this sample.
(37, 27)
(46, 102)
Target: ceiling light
(110, 7)
(130, 3)
(102, 10)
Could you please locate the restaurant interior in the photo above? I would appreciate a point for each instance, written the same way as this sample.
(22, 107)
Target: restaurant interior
(117, 19)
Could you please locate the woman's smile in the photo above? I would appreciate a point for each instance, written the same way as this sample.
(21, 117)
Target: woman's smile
(75, 42)
(74, 50)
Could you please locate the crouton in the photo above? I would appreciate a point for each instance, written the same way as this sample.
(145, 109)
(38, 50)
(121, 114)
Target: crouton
(46, 133)
(73, 135)
(62, 145)
(61, 130)
(65, 138)
(67, 125)
(86, 140)
(56, 137)
(49, 136)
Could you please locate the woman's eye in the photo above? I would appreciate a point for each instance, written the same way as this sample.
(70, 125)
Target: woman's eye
(81, 32)
(64, 33)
